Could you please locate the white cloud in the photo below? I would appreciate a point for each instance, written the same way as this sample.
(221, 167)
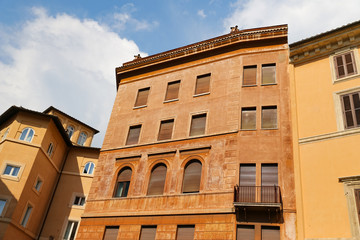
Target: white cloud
(305, 17)
(201, 13)
(65, 62)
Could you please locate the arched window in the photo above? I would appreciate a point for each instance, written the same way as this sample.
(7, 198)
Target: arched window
(82, 138)
(5, 134)
(27, 134)
(70, 131)
(157, 180)
(50, 149)
(123, 182)
(89, 168)
(192, 177)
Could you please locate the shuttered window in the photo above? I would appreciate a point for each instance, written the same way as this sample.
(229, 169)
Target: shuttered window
(142, 96)
(345, 65)
(198, 123)
(123, 182)
(166, 128)
(192, 177)
(268, 74)
(248, 118)
(357, 199)
(351, 110)
(111, 232)
(172, 91)
(185, 232)
(245, 232)
(270, 233)
(148, 233)
(202, 84)
(133, 136)
(247, 184)
(269, 117)
(249, 77)
(269, 181)
(157, 180)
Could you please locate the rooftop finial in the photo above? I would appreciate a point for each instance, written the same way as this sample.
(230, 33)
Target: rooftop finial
(137, 56)
(234, 29)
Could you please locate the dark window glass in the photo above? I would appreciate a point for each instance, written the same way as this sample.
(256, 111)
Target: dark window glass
(133, 136)
(123, 182)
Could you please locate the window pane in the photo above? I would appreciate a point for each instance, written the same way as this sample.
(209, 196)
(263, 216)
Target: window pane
(157, 180)
(198, 123)
(26, 216)
(15, 171)
(269, 117)
(245, 232)
(8, 169)
(248, 118)
(134, 133)
(148, 233)
(268, 74)
(357, 199)
(2, 206)
(185, 232)
(142, 97)
(249, 77)
(123, 183)
(247, 182)
(23, 134)
(270, 233)
(30, 135)
(349, 64)
(166, 128)
(38, 185)
(172, 90)
(192, 177)
(111, 233)
(202, 84)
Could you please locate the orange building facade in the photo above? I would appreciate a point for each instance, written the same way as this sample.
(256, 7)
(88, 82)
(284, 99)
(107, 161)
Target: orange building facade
(199, 144)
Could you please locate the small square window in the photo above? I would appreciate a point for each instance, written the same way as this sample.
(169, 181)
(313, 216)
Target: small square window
(268, 74)
(38, 184)
(142, 97)
(166, 128)
(198, 123)
(79, 201)
(172, 91)
(249, 75)
(345, 65)
(11, 170)
(248, 118)
(202, 84)
(269, 117)
(134, 134)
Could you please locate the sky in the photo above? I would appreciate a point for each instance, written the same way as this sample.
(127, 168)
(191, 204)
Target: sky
(64, 53)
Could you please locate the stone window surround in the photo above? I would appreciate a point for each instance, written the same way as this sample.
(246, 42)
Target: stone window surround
(332, 66)
(17, 164)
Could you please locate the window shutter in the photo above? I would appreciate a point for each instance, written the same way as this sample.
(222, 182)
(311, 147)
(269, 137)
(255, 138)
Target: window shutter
(185, 232)
(134, 133)
(166, 128)
(270, 233)
(339, 66)
(247, 175)
(111, 233)
(192, 177)
(249, 77)
(148, 233)
(142, 97)
(157, 180)
(172, 90)
(198, 123)
(357, 199)
(269, 117)
(248, 118)
(202, 84)
(356, 105)
(268, 74)
(245, 232)
(125, 175)
(350, 63)
(269, 175)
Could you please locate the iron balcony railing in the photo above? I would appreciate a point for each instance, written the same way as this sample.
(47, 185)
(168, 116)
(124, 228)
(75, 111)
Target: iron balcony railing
(257, 194)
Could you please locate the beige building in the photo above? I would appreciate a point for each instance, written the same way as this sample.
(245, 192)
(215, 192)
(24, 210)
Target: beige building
(325, 77)
(41, 169)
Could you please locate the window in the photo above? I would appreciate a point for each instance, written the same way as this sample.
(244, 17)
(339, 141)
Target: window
(249, 75)
(202, 84)
(192, 177)
(123, 182)
(157, 180)
(268, 74)
(82, 138)
(50, 149)
(133, 136)
(351, 109)
(148, 233)
(185, 232)
(269, 117)
(166, 128)
(270, 233)
(70, 131)
(172, 91)
(79, 201)
(344, 65)
(247, 182)
(198, 123)
(142, 96)
(248, 118)
(38, 184)
(26, 216)
(27, 134)
(357, 200)
(269, 180)
(2, 206)
(11, 170)
(111, 232)
(5, 134)
(70, 231)
(89, 168)
(245, 232)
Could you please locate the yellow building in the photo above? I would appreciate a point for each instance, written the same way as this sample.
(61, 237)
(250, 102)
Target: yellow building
(325, 96)
(42, 169)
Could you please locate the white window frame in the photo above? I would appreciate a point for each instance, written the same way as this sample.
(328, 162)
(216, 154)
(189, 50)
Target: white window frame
(5, 134)
(82, 139)
(355, 52)
(27, 134)
(72, 200)
(72, 131)
(15, 164)
(71, 228)
(88, 172)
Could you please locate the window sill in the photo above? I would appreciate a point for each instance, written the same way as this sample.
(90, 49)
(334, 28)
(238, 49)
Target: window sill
(12, 178)
(201, 94)
(249, 85)
(77, 207)
(36, 191)
(254, 129)
(171, 100)
(351, 77)
(269, 84)
(138, 107)
(270, 128)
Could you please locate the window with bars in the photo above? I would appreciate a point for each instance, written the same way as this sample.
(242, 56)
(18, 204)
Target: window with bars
(202, 84)
(172, 91)
(157, 180)
(123, 182)
(192, 177)
(198, 124)
(351, 109)
(269, 117)
(345, 65)
(134, 134)
(166, 129)
(185, 232)
(111, 232)
(248, 118)
(142, 97)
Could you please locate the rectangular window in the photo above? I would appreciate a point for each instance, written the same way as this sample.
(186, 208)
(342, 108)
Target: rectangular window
(198, 123)
(248, 118)
(111, 232)
(245, 232)
(70, 231)
(268, 74)
(172, 91)
(269, 117)
(357, 200)
(351, 109)
(249, 75)
(247, 191)
(50, 149)
(38, 184)
(2, 206)
(148, 233)
(185, 232)
(133, 136)
(202, 84)
(26, 217)
(142, 97)
(270, 233)
(79, 201)
(269, 182)
(166, 128)
(11, 170)
(345, 65)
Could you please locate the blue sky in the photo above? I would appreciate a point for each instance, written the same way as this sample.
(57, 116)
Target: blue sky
(64, 53)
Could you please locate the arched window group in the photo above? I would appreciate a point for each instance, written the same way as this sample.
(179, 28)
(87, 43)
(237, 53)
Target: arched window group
(27, 134)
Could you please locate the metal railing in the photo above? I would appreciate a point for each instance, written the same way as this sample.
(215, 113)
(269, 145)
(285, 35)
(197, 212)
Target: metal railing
(257, 194)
